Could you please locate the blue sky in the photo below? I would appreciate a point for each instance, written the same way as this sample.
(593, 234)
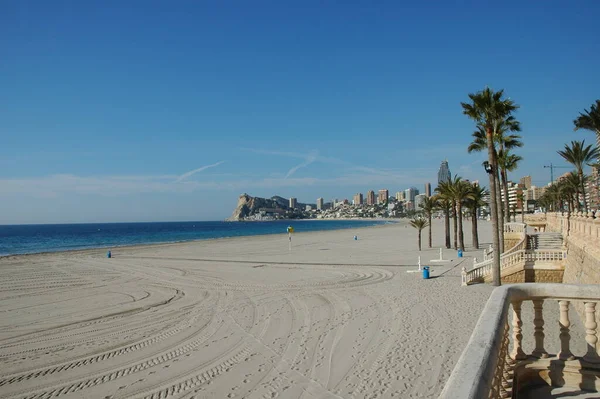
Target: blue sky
(156, 110)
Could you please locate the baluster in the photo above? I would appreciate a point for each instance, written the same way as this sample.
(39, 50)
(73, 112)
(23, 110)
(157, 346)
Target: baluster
(506, 367)
(517, 352)
(565, 336)
(590, 330)
(538, 322)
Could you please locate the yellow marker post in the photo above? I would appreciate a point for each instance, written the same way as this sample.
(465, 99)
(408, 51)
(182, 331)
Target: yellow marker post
(290, 230)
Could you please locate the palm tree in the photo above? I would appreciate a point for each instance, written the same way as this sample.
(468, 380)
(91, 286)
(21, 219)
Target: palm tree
(590, 120)
(570, 188)
(504, 142)
(445, 192)
(489, 110)
(462, 192)
(419, 224)
(445, 205)
(429, 205)
(473, 203)
(578, 155)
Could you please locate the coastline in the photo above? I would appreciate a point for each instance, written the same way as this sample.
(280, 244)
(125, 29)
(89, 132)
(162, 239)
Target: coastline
(103, 249)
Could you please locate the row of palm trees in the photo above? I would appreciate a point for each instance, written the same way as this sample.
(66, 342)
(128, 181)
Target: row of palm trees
(569, 192)
(452, 198)
(496, 129)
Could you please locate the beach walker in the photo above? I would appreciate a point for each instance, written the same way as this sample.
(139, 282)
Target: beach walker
(108, 255)
(426, 272)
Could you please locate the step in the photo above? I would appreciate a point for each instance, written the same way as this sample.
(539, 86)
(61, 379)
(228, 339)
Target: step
(548, 392)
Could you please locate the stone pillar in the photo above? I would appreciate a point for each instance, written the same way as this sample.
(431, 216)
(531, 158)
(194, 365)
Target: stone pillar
(538, 322)
(590, 333)
(565, 336)
(517, 352)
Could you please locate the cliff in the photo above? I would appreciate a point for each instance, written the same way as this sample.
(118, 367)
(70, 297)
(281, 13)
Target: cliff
(276, 207)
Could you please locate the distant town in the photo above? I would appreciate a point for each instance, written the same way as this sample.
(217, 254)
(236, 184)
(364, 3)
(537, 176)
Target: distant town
(522, 197)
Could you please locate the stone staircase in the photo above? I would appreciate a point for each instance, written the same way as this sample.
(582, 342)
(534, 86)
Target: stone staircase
(541, 241)
(537, 257)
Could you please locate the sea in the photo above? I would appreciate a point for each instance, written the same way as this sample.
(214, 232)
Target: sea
(29, 239)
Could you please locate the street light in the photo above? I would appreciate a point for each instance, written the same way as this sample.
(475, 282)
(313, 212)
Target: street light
(489, 169)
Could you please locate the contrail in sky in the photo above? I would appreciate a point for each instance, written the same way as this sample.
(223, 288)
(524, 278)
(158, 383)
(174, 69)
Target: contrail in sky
(310, 158)
(192, 172)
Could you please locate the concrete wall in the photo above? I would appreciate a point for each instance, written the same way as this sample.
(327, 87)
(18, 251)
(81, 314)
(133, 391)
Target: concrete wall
(582, 267)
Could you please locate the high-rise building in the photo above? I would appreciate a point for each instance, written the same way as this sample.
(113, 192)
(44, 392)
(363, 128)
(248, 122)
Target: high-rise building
(419, 199)
(293, 203)
(514, 192)
(371, 197)
(444, 174)
(400, 196)
(320, 203)
(428, 189)
(358, 199)
(410, 193)
(526, 181)
(534, 193)
(592, 191)
(383, 196)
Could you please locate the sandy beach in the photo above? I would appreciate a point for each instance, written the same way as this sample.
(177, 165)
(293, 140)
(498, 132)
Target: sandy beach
(242, 317)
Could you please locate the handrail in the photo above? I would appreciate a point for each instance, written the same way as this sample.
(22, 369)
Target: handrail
(484, 268)
(484, 369)
(514, 227)
(521, 256)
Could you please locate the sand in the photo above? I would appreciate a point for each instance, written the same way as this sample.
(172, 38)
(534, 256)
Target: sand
(243, 318)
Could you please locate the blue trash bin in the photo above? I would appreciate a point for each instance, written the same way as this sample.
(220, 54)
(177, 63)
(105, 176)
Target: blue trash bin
(108, 254)
(460, 253)
(426, 272)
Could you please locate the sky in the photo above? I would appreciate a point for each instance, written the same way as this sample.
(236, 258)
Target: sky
(121, 111)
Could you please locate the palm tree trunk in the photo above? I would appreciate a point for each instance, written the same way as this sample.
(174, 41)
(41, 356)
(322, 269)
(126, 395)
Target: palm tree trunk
(493, 205)
(580, 173)
(419, 239)
(455, 219)
(430, 230)
(447, 223)
(474, 233)
(500, 211)
(461, 237)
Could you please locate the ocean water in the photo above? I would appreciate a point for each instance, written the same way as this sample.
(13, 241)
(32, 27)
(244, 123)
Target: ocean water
(26, 239)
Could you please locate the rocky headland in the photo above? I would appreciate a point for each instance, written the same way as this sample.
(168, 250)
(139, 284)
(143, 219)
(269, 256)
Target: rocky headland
(275, 208)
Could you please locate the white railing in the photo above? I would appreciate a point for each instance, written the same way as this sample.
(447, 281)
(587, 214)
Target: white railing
(484, 268)
(520, 257)
(513, 227)
(490, 367)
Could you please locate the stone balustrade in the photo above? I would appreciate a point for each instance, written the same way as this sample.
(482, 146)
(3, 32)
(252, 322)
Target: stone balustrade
(513, 227)
(522, 258)
(484, 268)
(495, 365)
(578, 225)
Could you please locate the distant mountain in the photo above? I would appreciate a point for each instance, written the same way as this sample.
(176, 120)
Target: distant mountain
(276, 206)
